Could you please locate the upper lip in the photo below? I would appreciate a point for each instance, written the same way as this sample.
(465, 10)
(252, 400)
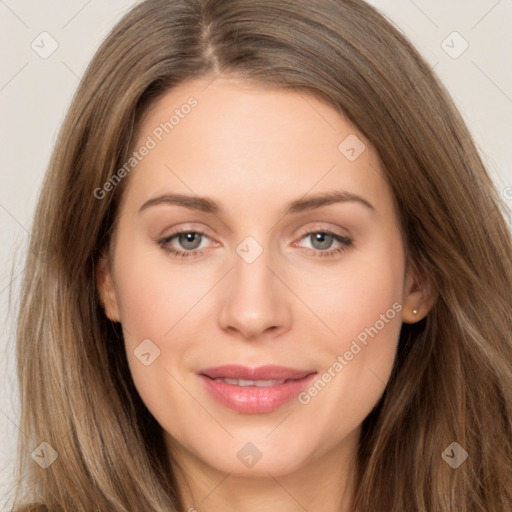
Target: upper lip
(269, 372)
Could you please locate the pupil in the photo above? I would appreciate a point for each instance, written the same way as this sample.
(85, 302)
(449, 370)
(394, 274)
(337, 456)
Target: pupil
(324, 240)
(188, 238)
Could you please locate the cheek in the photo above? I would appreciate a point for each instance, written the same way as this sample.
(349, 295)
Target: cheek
(354, 296)
(154, 293)
(363, 308)
(155, 301)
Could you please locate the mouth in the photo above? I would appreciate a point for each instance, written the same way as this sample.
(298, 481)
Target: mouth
(255, 390)
(257, 383)
(261, 373)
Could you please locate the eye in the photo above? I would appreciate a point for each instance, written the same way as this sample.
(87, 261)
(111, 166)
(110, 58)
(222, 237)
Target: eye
(190, 241)
(322, 242)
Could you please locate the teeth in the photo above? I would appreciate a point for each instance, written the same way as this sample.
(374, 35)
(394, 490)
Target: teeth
(257, 383)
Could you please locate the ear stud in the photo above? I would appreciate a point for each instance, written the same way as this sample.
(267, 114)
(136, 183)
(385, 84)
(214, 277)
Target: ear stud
(414, 311)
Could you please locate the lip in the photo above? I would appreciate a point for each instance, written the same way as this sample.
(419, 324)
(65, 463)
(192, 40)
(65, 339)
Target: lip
(255, 399)
(269, 372)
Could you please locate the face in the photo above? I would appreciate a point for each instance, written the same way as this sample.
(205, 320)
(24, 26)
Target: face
(257, 230)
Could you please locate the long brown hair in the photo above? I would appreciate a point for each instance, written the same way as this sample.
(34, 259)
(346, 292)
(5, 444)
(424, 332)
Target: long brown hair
(452, 380)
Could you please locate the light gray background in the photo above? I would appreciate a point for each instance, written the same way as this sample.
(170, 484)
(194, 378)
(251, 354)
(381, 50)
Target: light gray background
(35, 93)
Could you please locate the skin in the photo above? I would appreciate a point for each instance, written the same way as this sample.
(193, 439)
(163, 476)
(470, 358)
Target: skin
(254, 149)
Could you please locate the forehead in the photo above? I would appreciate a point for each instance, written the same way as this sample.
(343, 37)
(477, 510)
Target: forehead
(237, 141)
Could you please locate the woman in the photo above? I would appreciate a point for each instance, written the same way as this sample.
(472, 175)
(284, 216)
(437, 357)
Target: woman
(339, 339)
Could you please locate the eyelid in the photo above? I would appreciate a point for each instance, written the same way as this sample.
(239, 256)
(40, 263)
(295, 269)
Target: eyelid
(316, 227)
(180, 227)
(324, 227)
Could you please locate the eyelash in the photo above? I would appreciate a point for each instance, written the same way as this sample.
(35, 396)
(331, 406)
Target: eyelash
(346, 242)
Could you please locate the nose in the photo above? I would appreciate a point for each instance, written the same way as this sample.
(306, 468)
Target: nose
(255, 301)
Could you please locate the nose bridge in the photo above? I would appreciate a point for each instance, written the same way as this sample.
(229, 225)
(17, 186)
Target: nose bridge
(251, 273)
(253, 302)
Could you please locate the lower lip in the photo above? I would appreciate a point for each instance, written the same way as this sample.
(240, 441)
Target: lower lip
(253, 399)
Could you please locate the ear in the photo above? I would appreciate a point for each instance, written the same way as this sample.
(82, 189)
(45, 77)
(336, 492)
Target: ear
(419, 294)
(105, 287)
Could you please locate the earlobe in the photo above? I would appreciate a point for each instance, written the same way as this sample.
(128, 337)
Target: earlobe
(106, 290)
(419, 296)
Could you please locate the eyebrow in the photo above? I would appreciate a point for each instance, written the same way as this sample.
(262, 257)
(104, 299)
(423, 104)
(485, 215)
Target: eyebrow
(208, 205)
